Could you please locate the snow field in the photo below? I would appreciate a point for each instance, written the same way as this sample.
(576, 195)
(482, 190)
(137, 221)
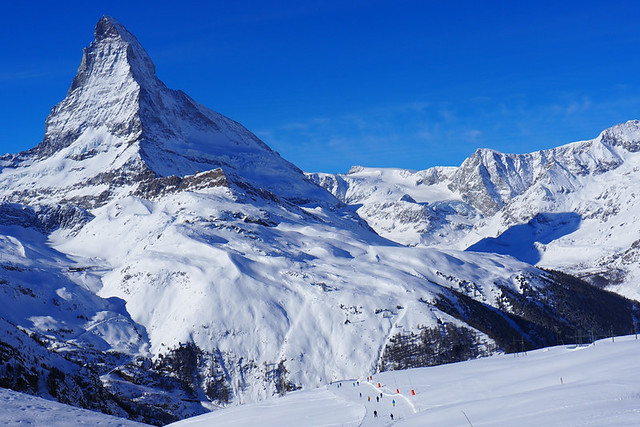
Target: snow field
(565, 385)
(323, 297)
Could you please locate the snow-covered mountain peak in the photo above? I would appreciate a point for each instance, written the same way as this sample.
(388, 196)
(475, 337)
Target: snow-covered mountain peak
(489, 179)
(105, 93)
(489, 187)
(120, 126)
(109, 28)
(625, 135)
(111, 34)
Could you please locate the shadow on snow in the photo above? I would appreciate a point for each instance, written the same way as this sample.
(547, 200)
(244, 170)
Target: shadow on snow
(520, 240)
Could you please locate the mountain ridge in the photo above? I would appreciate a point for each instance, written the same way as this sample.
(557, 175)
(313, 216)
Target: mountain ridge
(492, 192)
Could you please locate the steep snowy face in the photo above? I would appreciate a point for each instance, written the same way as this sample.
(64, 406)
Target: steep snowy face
(120, 126)
(105, 94)
(489, 180)
(625, 135)
(591, 189)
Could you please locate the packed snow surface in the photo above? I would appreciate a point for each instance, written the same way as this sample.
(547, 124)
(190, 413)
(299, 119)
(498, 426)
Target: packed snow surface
(595, 385)
(23, 409)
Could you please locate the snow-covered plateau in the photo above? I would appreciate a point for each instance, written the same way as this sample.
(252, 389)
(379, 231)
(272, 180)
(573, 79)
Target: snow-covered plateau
(158, 261)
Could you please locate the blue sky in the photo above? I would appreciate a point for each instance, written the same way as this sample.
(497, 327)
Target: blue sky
(332, 84)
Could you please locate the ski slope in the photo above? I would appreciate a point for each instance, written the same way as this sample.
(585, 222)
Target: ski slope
(597, 384)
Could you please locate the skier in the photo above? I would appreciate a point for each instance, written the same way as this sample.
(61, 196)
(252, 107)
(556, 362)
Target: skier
(391, 417)
(368, 398)
(393, 402)
(375, 414)
(377, 399)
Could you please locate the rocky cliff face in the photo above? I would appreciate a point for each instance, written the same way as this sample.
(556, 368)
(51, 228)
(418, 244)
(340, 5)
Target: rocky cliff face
(489, 180)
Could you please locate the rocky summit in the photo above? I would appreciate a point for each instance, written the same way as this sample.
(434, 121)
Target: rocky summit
(119, 127)
(160, 261)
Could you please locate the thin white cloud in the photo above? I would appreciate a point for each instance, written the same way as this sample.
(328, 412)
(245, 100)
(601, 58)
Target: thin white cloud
(418, 135)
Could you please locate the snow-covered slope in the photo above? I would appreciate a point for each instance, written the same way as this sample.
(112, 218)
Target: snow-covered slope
(46, 292)
(598, 205)
(240, 277)
(571, 208)
(22, 409)
(255, 284)
(565, 385)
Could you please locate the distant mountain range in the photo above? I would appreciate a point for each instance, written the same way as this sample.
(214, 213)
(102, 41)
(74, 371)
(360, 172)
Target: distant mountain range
(572, 208)
(158, 260)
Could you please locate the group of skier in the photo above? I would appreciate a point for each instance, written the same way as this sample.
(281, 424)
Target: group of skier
(375, 412)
